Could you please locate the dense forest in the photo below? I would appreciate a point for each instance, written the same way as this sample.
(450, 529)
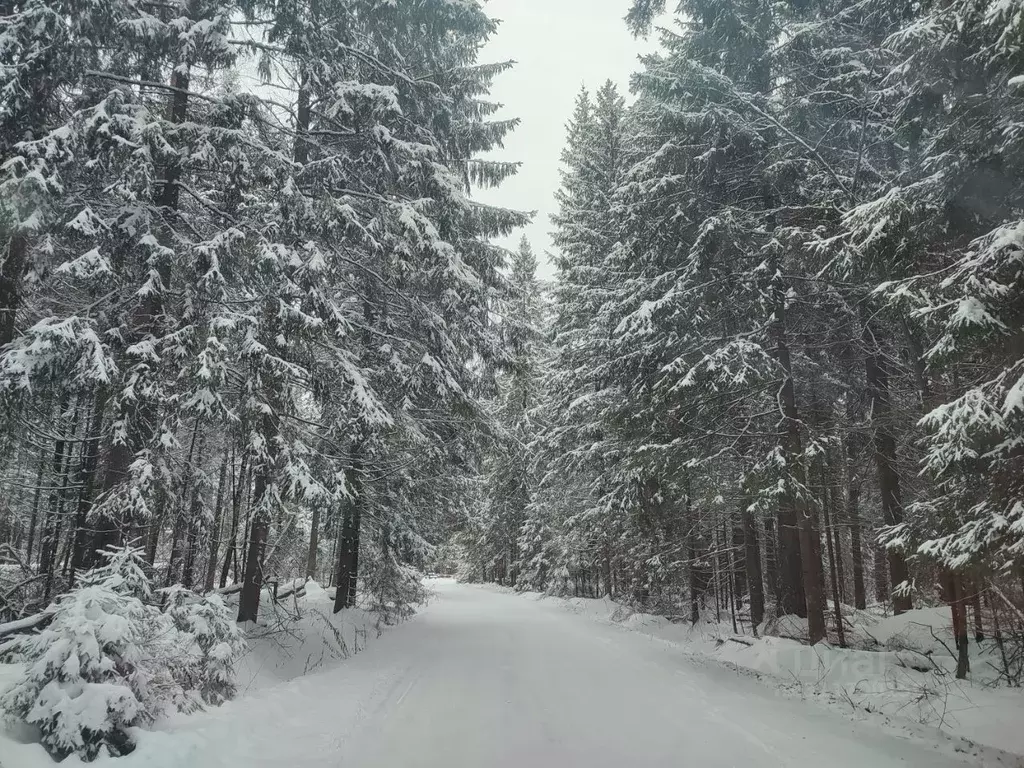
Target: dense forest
(255, 326)
(247, 299)
(781, 370)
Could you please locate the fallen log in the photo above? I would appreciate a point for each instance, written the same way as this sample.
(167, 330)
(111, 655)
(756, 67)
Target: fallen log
(20, 626)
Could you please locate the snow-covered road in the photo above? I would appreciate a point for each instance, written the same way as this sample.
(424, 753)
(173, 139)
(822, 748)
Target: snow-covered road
(483, 679)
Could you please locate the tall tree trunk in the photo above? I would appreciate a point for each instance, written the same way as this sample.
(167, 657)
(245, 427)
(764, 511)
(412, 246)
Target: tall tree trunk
(194, 521)
(693, 556)
(246, 528)
(771, 560)
(182, 518)
(302, 115)
(881, 573)
(177, 536)
(34, 519)
(860, 598)
(734, 573)
(837, 504)
(348, 546)
(62, 495)
(192, 529)
(12, 267)
(607, 562)
(954, 594)
(231, 556)
(885, 461)
(215, 528)
(794, 514)
(51, 523)
(156, 526)
(91, 452)
(792, 597)
(739, 555)
(752, 562)
(314, 544)
(259, 527)
(833, 556)
(979, 621)
(252, 579)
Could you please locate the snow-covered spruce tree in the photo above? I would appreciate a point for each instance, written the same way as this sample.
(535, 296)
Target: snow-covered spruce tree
(86, 680)
(508, 467)
(208, 623)
(387, 147)
(111, 659)
(840, 147)
(243, 310)
(42, 63)
(701, 337)
(572, 456)
(952, 225)
(103, 336)
(85, 684)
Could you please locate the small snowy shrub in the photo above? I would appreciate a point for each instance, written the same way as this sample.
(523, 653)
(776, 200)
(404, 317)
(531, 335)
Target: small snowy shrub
(124, 571)
(392, 588)
(110, 660)
(85, 683)
(206, 624)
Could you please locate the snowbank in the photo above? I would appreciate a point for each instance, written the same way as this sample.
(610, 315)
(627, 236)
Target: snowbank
(910, 677)
(301, 636)
(295, 637)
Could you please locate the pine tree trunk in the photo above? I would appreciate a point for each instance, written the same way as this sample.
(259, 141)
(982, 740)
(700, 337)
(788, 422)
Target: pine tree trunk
(246, 528)
(885, 461)
(259, 525)
(979, 622)
(881, 574)
(607, 560)
(343, 568)
(52, 524)
(177, 534)
(90, 461)
(692, 555)
(155, 527)
(34, 518)
(953, 587)
(792, 596)
(771, 560)
(215, 528)
(182, 519)
(792, 509)
(734, 575)
(196, 504)
(739, 556)
(314, 543)
(56, 468)
(750, 575)
(302, 115)
(252, 579)
(860, 598)
(231, 556)
(192, 528)
(12, 267)
(752, 561)
(348, 545)
(833, 556)
(838, 543)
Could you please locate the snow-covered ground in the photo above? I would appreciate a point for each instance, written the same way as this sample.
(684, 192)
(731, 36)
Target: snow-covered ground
(908, 679)
(483, 678)
(297, 638)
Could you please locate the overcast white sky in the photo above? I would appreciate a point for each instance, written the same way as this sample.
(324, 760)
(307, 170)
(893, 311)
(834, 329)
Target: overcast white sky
(559, 45)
